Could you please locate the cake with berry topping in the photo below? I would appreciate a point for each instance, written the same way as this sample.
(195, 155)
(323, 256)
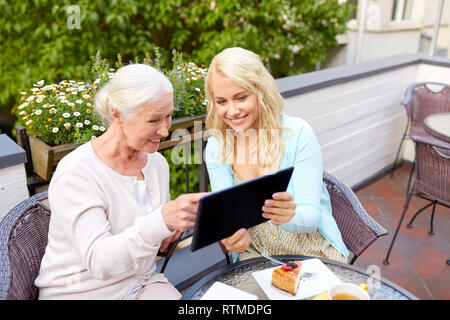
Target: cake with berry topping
(287, 277)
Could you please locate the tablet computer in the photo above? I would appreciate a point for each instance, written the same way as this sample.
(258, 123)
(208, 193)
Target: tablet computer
(222, 213)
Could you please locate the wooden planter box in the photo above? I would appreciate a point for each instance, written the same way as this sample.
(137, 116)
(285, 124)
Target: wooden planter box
(45, 158)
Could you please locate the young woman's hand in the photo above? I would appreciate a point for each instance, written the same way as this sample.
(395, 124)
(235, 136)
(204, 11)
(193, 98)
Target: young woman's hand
(280, 209)
(238, 242)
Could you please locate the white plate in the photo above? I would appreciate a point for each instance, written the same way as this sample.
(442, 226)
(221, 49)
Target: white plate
(321, 281)
(221, 291)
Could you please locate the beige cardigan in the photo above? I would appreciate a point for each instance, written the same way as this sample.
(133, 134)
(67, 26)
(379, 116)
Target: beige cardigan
(102, 242)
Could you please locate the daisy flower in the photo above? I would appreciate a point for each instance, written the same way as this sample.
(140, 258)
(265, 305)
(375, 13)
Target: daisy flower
(55, 130)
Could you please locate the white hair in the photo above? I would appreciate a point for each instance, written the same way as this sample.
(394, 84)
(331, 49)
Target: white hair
(130, 88)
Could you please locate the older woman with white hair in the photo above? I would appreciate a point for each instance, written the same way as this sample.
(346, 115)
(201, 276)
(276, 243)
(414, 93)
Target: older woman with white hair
(110, 201)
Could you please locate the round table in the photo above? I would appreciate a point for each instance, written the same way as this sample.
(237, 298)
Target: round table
(438, 125)
(239, 275)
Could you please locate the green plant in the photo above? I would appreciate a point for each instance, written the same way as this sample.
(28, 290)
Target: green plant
(178, 175)
(63, 113)
(60, 113)
(187, 80)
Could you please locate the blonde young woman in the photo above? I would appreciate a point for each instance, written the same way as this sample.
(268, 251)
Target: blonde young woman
(251, 137)
(110, 202)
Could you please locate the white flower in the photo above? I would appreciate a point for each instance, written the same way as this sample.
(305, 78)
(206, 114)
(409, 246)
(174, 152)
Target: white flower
(29, 122)
(66, 115)
(102, 129)
(30, 98)
(72, 81)
(38, 111)
(70, 104)
(95, 127)
(88, 104)
(197, 89)
(52, 110)
(67, 125)
(40, 83)
(23, 93)
(55, 130)
(93, 137)
(87, 122)
(39, 100)
(86, 96)
(76, 114)
(79, 101)
(21, 112)
(79, 125)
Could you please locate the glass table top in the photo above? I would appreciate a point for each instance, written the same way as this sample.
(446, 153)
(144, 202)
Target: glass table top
(239, 275)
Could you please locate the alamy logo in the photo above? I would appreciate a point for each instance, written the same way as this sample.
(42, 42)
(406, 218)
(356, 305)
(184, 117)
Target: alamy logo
(73, 17)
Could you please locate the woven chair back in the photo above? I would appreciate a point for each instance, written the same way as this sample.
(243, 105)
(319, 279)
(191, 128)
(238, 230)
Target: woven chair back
(25, 247)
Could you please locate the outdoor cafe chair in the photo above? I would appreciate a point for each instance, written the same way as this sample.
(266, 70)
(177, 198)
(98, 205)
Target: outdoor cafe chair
(358, 229)
(23, 239)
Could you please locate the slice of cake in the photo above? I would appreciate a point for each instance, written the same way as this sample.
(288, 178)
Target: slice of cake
(287, 277)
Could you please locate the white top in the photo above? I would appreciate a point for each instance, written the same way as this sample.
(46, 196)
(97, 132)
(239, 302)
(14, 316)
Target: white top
(105, 228)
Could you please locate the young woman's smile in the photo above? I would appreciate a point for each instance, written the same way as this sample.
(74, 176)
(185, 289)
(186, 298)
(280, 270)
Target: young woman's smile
(237, 106)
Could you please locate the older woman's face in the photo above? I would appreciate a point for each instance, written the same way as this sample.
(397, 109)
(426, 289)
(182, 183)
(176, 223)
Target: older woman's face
(236, 106)
(145, 129)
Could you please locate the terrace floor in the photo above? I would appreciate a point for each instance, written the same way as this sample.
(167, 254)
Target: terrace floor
(418, 260)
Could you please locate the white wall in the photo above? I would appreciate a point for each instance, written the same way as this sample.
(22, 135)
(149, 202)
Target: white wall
(359, 124)
(13, 188)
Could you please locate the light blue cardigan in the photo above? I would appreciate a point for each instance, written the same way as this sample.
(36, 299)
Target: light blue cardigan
(302, 151)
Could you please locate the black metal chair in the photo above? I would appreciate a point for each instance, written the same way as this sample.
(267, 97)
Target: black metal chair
(432, 181)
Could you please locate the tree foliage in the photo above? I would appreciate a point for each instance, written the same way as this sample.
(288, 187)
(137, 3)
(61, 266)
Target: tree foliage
(39, 42)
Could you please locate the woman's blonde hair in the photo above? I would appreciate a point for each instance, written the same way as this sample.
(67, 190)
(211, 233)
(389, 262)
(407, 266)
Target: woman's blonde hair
(130, 88)
(246, 69)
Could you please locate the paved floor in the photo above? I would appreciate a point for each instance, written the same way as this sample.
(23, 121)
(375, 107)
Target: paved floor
(418, 260)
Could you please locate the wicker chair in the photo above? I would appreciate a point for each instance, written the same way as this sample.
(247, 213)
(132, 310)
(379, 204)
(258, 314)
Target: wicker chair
(358, 229)
(432, 180)
(420, 102)
(23, 235)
